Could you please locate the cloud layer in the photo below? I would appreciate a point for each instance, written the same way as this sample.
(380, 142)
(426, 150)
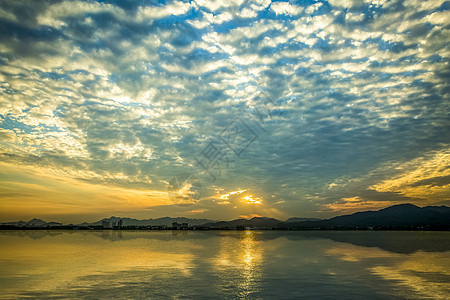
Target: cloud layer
(333, 105)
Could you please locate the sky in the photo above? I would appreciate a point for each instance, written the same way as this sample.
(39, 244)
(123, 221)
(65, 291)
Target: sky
(222, 109)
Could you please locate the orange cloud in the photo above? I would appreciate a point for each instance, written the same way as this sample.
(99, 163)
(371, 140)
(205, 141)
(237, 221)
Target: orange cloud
(31, 192)
(250, 216)
(354, 204)
(417, 177)
(197, 211)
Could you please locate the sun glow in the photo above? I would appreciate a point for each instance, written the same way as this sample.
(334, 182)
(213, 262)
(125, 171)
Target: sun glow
(227, 196)
(250, 200)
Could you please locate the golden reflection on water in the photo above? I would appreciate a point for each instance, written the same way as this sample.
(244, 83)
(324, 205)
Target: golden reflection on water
(51, 262)
(243, 261)
(218, 264)
(251, 257)
(424, 273)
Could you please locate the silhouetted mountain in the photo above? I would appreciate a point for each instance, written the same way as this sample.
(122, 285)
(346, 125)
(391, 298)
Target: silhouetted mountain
(32, 223)
(295, 219)
(37, 222)
(260, 222)
(403, 216)
(167, 221)
(397, 216)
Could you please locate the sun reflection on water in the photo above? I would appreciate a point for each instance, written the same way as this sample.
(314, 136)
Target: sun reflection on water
(250, 257)
(243, 260)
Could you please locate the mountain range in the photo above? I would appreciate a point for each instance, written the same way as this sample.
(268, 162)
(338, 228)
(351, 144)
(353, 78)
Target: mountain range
(402, 216)
(32, 223)
(397, 216)
(165, 221)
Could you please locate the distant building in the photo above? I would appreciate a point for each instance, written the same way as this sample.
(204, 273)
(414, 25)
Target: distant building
(176, 225)
(120, 224)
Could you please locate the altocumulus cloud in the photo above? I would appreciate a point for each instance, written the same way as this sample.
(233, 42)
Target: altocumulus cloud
(127, 93)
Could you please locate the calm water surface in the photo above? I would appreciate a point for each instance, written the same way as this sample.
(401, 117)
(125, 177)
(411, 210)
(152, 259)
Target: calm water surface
(224, 265)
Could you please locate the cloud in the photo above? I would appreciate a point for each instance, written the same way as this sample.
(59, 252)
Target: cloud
(423, 177)
(285, 8)
(214, 5)
(250, 216)
(197, 211)
(127, 95)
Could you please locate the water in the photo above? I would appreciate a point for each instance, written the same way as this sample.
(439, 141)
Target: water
(224, 264)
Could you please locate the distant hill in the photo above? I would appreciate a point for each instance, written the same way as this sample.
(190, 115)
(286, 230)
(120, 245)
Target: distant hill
(397, 216)
(403, 216)
(295, 219)
(167, 221)
(150, 222)
(260, 222)
(32, 223)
